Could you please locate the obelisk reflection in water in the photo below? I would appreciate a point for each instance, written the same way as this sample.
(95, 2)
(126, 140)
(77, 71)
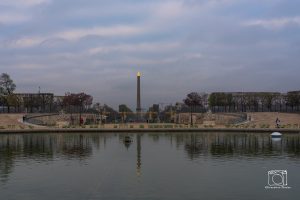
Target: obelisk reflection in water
(138, 158)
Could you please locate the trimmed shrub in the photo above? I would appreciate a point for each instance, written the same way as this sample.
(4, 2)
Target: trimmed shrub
(264, 126)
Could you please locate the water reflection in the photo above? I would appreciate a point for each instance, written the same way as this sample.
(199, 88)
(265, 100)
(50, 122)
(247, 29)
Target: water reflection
(44, 147)
(138, 155)
(127, 140)
(248, 145)
(81, 146)
(77, 147)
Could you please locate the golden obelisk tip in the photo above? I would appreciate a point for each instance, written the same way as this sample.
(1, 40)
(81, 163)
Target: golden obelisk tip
(138, 74)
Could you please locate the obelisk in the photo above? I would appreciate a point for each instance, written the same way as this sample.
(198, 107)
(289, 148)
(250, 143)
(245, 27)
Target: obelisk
(138, 98)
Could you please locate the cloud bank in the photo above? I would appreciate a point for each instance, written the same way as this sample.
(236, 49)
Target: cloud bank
(178, 45)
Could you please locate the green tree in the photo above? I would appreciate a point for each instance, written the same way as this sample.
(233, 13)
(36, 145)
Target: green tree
(293, 99)
(267, 99)
(212, 100)
(229, 101)
(193, 100)
(13, 101)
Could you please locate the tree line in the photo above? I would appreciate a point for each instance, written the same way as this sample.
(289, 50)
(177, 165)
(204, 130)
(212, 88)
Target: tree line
(194, 102)
(39, 102)
(254, 102)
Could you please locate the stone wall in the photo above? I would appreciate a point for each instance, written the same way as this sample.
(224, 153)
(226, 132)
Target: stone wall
(211, 118)
(56, 119)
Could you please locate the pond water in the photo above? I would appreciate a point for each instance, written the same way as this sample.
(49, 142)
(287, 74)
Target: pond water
(152, 166)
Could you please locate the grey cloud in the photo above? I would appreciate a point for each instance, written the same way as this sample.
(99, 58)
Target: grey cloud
(183, 46)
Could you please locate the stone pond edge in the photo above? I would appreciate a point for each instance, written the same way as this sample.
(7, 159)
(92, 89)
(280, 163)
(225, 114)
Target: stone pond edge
(147, 130)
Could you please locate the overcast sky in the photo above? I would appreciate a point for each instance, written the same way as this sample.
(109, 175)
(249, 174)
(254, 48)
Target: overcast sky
(180, 46)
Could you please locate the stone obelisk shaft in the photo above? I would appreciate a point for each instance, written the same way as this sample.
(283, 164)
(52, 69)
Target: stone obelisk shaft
(138, 99)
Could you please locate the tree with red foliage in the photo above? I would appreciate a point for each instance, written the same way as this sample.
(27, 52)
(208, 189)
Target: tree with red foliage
(79, 100)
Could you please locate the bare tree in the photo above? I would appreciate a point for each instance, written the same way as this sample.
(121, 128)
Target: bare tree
(7, 88)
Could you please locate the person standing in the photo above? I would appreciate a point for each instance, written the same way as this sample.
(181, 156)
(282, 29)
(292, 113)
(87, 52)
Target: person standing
(277, 122)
